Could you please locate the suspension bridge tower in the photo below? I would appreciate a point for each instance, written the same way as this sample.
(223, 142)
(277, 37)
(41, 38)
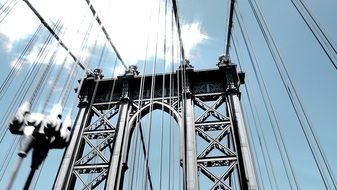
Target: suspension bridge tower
(101, 147)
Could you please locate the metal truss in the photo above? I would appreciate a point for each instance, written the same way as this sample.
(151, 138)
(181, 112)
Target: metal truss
(226, 156)
(97, 140)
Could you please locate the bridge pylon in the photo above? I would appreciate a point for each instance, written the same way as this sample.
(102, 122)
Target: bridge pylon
(206, 106)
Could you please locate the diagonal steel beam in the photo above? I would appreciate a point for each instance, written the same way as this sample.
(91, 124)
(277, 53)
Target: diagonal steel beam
(98, 151)
(210, 110)
(209, 174)
(97, 180)
(213, 142)
(92, 153)
(225, 176)
(102, 117)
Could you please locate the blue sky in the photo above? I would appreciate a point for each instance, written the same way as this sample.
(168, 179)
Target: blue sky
(131, 23)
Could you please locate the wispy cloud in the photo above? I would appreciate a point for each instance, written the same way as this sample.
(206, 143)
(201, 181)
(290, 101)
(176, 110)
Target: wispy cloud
(135, 30)
(192, 36)
(15, 64)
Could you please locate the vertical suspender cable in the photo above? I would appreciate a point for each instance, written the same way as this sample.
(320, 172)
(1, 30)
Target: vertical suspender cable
(72, 72)
(4, 13)
(180, 107)
(46, 71)
(252, 142)
(273, 55)
(8, 157)
(316, 35)
(245, 114)
(19, 63)
(152, 93)
(330, 42)
(41, 56)
(25, 86)
(180, 75)
(262, 141)
(163, 96)
(171, 89)
(256, 125)
(83, 47)
(54, 83)
(260, 132)
(332, 48)
(138, 127)
(267, 101)
(101, 57)
(272, 46)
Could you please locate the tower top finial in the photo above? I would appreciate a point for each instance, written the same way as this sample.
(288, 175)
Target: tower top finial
(132, 70)
(98, 73)
(224, 60)
(186, 64)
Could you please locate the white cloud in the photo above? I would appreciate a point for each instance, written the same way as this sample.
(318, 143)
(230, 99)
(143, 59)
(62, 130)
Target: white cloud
(192, 36)
(132, 25)
(15, 64)
(19, 24)
(119, 70)
(138, 26)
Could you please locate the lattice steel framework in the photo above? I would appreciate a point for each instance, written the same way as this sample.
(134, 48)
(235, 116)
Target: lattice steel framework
(213, 137)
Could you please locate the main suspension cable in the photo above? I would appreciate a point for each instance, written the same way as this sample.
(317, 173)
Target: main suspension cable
(176, 16)
(95, 14)
(55, 35)
(231, 8)
(71, 77)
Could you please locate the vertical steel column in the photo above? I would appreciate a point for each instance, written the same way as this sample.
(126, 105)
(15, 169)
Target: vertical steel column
(117, 166)
(191, 177)
(190, 152)
(65, 171)
(245, 157)
(64, 177)
(245, 166)
(118, 163)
